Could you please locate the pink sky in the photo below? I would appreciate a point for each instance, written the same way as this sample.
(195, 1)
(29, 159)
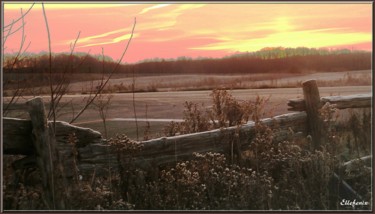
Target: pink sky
(170, 29)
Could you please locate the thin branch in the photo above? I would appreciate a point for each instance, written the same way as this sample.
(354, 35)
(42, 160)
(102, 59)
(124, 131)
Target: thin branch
(134, 108)
(15, 31)
(105, 83)
(74, 44)
(82, 61)
(23, 15)
(52, 103)
(63, 106)
(63, 85)
(27, 47)
(22, 39)
(8, 34)
(103, 70)
(18, 91)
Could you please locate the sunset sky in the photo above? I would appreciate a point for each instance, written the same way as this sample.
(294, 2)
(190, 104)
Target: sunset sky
(201, 29)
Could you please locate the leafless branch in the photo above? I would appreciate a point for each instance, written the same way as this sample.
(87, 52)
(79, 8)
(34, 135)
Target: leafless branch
(17, 20)
(61, 88)
(9, 33)
(52, 95)
(101, 87)
(134, 108)
(19, 90)
(52, 102)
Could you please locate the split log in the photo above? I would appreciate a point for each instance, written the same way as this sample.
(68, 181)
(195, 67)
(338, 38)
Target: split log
(353, 164)
(338, 184)
(17, 136)
(339, 187)
(17, 140)
(312, 103)
(366, 160)
(96, 156)
(341, 102)
(170, 149)
(47, 156)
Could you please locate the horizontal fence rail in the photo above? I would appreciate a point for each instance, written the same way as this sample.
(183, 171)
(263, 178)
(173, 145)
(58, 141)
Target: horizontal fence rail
(55, 146)
(94, 154)
(341, 102)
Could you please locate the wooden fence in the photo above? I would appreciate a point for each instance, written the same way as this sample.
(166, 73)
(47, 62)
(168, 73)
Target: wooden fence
(44, 143)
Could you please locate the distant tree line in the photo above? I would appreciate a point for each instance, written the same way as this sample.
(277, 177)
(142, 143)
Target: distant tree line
(80, 62)
(277, 59)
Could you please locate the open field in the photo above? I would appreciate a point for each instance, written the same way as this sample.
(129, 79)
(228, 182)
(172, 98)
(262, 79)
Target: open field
(285, 161)
(164, 96)
(169, 105)
(122, 83)
(236, 81)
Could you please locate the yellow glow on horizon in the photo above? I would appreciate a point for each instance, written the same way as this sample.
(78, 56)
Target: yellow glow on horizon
(282, 24)
(173, 29)
(312, 39)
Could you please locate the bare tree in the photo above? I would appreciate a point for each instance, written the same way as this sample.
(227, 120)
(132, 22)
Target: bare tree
(18, 57)
(59, 90)
(103, 83)
(134, 108)
(58, 86)
(102, 103)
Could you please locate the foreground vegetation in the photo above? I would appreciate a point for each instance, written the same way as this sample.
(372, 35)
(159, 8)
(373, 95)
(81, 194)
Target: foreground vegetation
(268, 175)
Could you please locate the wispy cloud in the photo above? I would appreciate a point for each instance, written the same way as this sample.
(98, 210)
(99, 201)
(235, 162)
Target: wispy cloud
(168, 19)
(178, 10)
(153, 8)
(104, 38)
(308, 38)
(172, 29)
(109, 40)
(103, 35)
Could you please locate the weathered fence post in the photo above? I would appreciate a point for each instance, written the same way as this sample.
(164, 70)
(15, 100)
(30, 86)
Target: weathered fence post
(47, 156)
(312, 102)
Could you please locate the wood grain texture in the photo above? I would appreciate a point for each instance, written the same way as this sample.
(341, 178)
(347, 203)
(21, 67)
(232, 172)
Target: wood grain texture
(47, 156)
(341, 102)
(312, 104)
(95, 155)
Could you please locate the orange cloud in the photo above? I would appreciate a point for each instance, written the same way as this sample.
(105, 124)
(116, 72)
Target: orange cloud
(108, 41)
(192, 29)
(153, 8)
(310, 38)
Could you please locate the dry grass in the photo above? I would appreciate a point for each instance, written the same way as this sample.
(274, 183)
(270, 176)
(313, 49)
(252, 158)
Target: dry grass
(267, 175)
(248, 81)
(121, 84)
